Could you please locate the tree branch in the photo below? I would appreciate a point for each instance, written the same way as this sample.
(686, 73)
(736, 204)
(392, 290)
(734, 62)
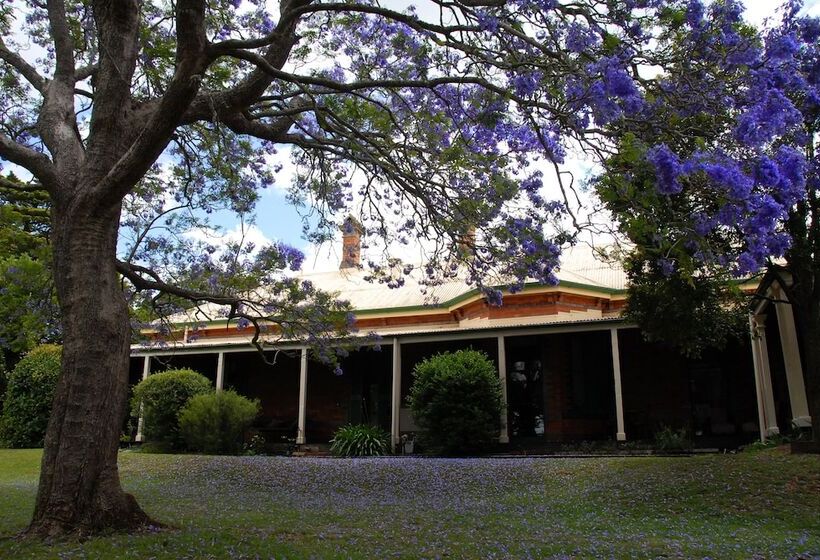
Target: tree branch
(339, 87)
(26, 70)
(136, 274)
(29, 212)
(63, 44)
(220, 104)
(293, 15)
(272, 132)
(191, 62)
(19, 186)
(36, 163)
(86, 72)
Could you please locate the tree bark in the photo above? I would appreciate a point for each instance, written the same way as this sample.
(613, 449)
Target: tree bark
(80, 491)
(807, 319)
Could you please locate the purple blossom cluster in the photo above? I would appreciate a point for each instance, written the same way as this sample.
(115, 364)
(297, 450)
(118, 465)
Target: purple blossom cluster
(581, 38)
(769, 93)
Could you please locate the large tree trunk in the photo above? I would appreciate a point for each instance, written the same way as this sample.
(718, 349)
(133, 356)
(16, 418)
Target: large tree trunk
(80, 490)
(807, 319)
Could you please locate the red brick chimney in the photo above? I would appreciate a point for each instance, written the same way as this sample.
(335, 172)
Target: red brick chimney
(351, 243)
(466, 243)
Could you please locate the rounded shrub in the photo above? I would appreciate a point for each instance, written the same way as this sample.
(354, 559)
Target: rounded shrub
(214, 422)
(161, 396)
(29, 394)
(360, 440)
(456, 402)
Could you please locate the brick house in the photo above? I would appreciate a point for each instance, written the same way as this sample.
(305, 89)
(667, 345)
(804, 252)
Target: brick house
(571, 368)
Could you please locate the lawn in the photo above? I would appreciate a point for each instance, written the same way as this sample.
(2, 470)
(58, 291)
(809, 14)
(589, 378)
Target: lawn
(753, 505)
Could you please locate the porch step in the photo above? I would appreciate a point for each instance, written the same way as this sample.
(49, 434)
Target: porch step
(313, 450)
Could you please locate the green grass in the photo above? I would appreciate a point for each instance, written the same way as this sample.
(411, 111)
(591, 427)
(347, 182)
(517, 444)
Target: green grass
(753, 505)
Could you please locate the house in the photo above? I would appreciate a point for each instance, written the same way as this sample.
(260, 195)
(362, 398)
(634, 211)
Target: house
(571, 368)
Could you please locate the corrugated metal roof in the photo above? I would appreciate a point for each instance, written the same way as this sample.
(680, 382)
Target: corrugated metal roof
(579, 267)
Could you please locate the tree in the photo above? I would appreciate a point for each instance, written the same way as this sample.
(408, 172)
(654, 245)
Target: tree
(436, 128)
(719, 181)
(24, 219)
(28, 307)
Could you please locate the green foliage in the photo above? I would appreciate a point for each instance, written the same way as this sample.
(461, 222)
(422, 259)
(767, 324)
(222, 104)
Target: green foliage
(257, 445)
(24, 218)
(673, 296)
(690, 315)
(456, 401)
(3, 379)
(668, 439)
(360, 440)
(162, 396)
(28, 304)
(29, 395)
(214, 422)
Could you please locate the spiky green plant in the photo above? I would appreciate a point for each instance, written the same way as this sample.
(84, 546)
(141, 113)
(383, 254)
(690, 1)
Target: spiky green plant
(360, 440)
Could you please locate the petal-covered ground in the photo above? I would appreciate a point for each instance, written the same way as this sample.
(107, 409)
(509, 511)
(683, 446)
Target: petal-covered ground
(754, 505)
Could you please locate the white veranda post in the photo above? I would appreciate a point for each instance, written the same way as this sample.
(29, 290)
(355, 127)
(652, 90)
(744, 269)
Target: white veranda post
(791, 361)
(616, 372)
(504, 436)
(395, 403)
(303, 371)
(763, 379)
(146, 371)
(220, 371)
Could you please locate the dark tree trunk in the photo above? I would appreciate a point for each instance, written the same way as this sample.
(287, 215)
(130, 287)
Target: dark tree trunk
(804, 292)
(80, 490)
(807, 319)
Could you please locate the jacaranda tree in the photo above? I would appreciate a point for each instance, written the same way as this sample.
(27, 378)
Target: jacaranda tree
(718, 182)
(436, 125)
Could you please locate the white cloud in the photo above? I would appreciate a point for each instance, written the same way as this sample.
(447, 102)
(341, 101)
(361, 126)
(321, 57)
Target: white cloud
(282, 164)
(240, 233)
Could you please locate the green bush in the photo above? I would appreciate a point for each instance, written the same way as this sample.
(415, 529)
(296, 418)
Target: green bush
(29, 393)
(214, 422)
(360, 440)
(162, 396)
(668, 439)
(3, 379)
(456, 401)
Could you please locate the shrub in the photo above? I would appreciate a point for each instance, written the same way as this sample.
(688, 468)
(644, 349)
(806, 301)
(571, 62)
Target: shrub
(3, 379)
(257, 445)
(456, 401)
(162, 396)
(360, 440)
(214, 422)
(29, 394)
(668, 439)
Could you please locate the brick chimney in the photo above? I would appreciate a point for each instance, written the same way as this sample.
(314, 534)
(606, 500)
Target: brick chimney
(466, 243)
(351, 243)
